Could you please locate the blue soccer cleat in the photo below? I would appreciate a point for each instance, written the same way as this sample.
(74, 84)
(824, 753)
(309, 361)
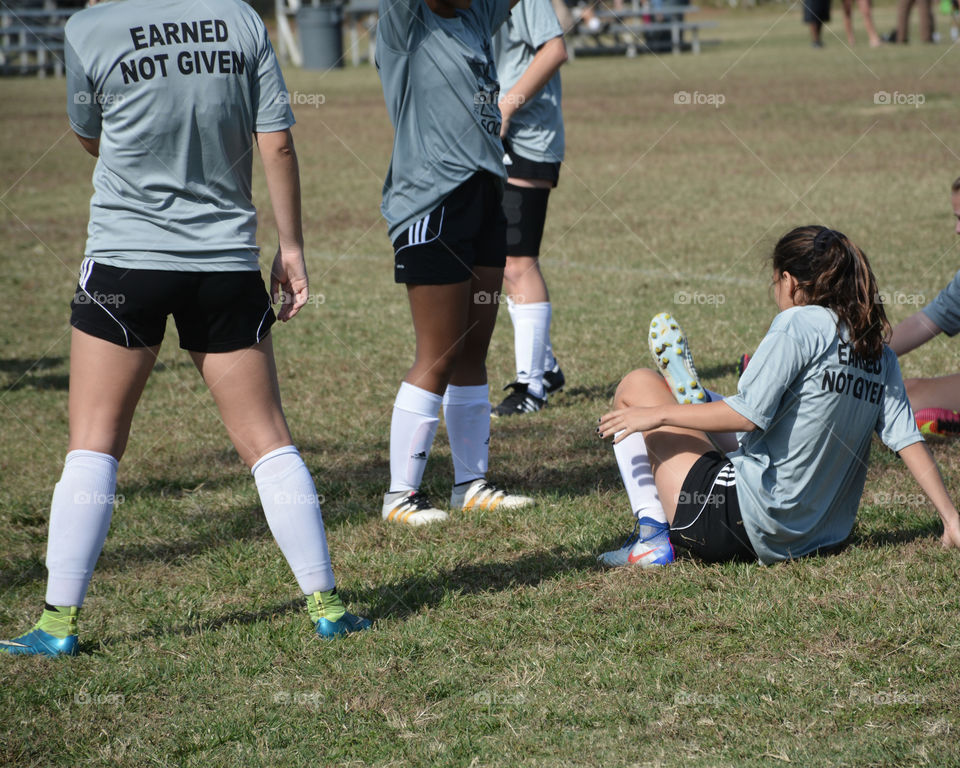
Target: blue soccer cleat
(343, 626)
(648, 546)
(671, 353)
(39, 643)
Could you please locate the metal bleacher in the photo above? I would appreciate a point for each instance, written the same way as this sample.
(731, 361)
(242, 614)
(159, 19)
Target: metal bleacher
(31, 36)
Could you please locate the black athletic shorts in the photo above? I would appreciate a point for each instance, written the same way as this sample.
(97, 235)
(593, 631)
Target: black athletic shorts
(521, 168)
(816, 10)
(708, 522)
(214, 311)
(466, 230)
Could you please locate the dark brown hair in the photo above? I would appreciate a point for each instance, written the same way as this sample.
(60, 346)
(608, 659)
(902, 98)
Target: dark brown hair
(955, 187)
(834, 273)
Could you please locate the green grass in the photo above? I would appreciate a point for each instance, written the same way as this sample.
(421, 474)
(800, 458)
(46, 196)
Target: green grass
(498, 642)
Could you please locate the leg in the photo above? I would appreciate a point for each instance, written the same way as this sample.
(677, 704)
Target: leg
(926, 20)
(940, 392)
(441, 319)
(867, 13)
(903, 20)
(848, 21)
(244, 386)
(106, 381)
(470, 368)
(672, 451)
(523, 281)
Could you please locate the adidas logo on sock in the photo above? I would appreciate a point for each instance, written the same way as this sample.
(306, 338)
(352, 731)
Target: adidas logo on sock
(421, 455)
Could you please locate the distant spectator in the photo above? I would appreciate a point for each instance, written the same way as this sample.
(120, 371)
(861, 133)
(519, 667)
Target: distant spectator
(867, 13)
(903, 20)
(816, 13)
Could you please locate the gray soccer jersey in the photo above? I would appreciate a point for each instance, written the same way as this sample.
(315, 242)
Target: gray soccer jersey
(800, 474)
(440, 86)
(945, 309)
(536, 129)
(174, 90)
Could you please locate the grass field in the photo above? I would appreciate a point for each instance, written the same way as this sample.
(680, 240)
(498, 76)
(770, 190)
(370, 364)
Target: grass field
(497, 641)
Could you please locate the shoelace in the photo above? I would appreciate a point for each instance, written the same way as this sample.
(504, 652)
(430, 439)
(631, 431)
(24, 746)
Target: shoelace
(634, 536)
(417, 500)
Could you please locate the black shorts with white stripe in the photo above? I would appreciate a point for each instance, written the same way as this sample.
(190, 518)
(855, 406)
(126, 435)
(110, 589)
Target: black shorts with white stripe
(708, 523)
(467, 230)
(214, 311)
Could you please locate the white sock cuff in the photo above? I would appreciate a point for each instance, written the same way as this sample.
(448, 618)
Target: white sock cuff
(416, 400)
(272, 455)
(466, 395)
(90, 456)
(533, 306)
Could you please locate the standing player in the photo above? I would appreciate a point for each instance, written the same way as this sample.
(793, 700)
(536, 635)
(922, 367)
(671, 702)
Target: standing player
(442, 202)
(170, 96)
(529, 50)
(821, 383)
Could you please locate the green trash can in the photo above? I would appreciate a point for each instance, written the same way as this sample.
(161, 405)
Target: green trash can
(321, 35)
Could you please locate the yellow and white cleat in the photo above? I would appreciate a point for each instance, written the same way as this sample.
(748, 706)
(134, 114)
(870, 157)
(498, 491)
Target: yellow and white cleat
(481, 494)
(671, 353)
(410, 508)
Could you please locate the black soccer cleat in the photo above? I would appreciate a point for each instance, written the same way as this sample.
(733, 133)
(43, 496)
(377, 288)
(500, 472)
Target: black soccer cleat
(553, 380)
(518, 401)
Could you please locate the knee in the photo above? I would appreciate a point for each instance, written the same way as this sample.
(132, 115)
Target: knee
(913, 387)
(517, 268)
(635, 387)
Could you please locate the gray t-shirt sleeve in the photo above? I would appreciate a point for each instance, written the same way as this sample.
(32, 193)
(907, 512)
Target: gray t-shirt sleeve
(83, 106)
(396, 21)
(945, 309)
(897, 427)
(535, 22)
(777, 361)
(271, 103)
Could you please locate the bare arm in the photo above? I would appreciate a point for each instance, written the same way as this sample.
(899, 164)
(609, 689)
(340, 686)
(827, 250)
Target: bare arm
(547, 60)
(911, 333)
(91, 145)
(288, 282)
(709, 417)
(924, 470)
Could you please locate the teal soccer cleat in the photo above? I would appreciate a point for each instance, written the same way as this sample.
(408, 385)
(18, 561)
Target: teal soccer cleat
(343, 626)
(39, 643)
(671, 353)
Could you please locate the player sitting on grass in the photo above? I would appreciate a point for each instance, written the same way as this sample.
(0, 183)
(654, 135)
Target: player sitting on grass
(821, 383)
(173, 231)
(936, 401)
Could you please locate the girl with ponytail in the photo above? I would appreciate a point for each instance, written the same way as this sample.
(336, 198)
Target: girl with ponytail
(796, 436)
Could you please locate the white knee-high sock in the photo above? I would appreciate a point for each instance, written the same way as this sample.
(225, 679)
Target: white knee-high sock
(416, 414)
(530, 324)
(549, 361)
(292, 508)
(637, 477)
(80, 516)
(467, 413)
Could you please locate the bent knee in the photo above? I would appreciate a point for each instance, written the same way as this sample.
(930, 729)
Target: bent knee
(636, 387)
